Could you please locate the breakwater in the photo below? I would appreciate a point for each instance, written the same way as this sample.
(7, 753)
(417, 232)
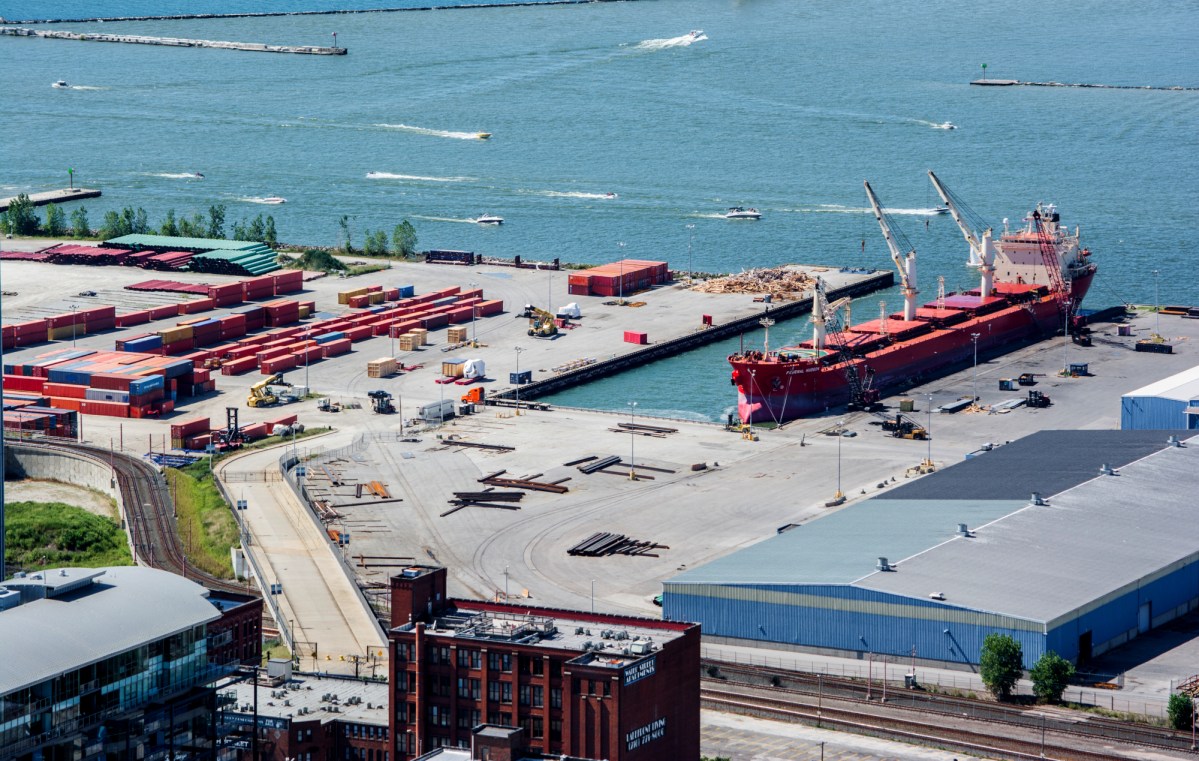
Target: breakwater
(178, 42)
(261, 14)
(873, 282)
(53, 196)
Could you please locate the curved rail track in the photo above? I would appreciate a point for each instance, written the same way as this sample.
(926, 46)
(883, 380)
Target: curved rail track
(971, 726)
(150, 513)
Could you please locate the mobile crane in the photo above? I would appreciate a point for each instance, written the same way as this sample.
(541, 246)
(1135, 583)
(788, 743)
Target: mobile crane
(260, 393)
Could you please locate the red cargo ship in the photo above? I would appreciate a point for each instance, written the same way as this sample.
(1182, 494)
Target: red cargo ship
(1032, 281)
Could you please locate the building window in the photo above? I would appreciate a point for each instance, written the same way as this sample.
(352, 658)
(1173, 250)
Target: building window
(524, 695)
(538, 667)
(493, 694)
(505, 692)
(555, 697)
(499, 662)
(401, 683)
(439, 656)
(493, 717)
(538, 696)
(607, 688)
(468, 688)
(403, 651)
(538, 727)
(555, 730)
(439, 716)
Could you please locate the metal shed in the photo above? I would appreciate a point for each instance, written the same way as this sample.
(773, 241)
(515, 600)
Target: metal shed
(1168, 404)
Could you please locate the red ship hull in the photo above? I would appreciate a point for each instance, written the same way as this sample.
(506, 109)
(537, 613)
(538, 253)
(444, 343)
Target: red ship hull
(784, 386)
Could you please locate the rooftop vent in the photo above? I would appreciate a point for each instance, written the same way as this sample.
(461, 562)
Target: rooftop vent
(937, 596)
(1173, 441)
(1106, 470)
(964, 530)
(883, 565)
(1037, 499)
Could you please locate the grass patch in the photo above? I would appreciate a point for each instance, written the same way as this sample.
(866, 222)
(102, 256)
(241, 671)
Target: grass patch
(269, 441)
(274, 648)
(366, 269)
(205, 521)
(56, 534)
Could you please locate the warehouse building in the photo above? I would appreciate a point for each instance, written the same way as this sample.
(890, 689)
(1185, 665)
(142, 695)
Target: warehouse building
(588, 685)
(1106, 549)
(1169, 404)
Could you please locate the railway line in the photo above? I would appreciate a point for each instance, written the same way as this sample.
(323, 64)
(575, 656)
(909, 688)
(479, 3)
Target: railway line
(149, 510)
(969, 726)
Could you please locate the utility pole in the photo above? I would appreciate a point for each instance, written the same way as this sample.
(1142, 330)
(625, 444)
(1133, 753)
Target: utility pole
(690, 240)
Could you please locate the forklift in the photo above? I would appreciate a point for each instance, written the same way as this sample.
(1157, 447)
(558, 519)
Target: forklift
(903, 427)
(381, 402)
(231, 437)
(1037, 399)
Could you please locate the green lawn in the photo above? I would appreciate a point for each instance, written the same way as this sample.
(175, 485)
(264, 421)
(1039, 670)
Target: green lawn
(53, 534)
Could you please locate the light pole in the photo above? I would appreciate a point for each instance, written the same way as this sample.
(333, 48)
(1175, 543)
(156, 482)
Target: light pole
(335, 40)
(839, 497)
(974, 391)
(71, 176)
(505, 583)
(1157, 306)
(690, 240)
(621, 245)
(474, 336)
(74, 308)
(632, 439)
(518, 351)
(928, 460)
(593, 595)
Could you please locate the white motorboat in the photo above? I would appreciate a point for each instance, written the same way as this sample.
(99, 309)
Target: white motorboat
(740, 212)
(489, 219)
(947, 125)
(60, 85)
(274, 200)
(940, 210)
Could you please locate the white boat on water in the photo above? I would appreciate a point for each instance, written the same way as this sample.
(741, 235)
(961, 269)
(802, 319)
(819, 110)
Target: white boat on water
(740, 212)
(489, 219)
(940, 210)
(274, 200)
(61, 85)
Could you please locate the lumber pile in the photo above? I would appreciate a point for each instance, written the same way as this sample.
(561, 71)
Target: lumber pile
(781, 283)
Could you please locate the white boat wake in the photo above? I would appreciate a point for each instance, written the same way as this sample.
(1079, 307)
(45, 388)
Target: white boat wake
(697, 215)
(466, 221)
(575, 194)
(437, 132)
(269, 200)
(414, 177)
(672, 42)
(176, 175)
(837, 209)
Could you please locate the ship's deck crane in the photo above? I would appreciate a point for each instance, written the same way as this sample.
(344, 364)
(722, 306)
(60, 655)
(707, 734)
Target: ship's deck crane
(862, 395)
(1053, 266)
(982, 248)
(905, 263)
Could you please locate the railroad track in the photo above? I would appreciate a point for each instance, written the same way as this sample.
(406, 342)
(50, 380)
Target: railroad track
(963, 725)
(1092, 726)
(151, 515)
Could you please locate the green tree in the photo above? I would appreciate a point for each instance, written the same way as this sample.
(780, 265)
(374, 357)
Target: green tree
(375, 243)
(269, 236)
(139, 221)
(1000, 664)
(192, 228)
(344, 224)
(114, 226)
(1181, 711)
(239, 232)
(168, 226)
(216, 221)
(403, 239)
(21, 219)
(257, 229)
(1050, 675)
(56, 220)
(79, 223)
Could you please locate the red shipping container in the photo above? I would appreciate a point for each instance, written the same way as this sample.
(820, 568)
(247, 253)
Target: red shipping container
(181, 346)
(358, 302)
(23, 383)
(289, 281)
(633, 337)
(32, 327)
(239, 366)
(65, 390)
(162, 312)
(190, 427)
(285, 420)
(374, 288)
(334, 348)
(111, 381)
(309, 355)
(222, 351)
(464, 314)
(278, 364)
(391, 294)
(359, 333)
(197, 358)
(474, 293)
(199, 305)
(489, 308)
(66, 403)
(266, 355)
(110, 409)
(435, 321)
(200, 375)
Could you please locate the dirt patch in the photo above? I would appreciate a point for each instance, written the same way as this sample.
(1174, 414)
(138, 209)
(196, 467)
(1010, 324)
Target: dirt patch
(56, 491)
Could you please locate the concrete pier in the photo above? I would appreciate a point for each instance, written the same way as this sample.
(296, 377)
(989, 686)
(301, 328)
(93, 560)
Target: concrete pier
(54, 196)
(870, 283)
(178, 42)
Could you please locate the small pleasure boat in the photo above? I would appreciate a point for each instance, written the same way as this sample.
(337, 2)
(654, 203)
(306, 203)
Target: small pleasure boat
(940, 210)
(610, 195)
(483, 135)
(274, 200)
(60, 85)
(739, 212)
(489, 219)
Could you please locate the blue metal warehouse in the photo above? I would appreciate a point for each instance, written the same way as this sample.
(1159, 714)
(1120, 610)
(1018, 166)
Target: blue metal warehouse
(936, 565)
(1168, 404)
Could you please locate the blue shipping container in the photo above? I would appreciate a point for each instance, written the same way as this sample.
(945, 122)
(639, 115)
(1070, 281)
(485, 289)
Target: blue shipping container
(147, 384)
(148, 343)
(176, 369)
(407, 291)
(327, 337)
(69, 376)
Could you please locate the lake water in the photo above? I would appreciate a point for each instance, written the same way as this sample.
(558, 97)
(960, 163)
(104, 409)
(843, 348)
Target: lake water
(782, 105)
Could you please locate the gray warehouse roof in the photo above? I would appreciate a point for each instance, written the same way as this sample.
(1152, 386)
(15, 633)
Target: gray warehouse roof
(1097, 535)
(124, 608)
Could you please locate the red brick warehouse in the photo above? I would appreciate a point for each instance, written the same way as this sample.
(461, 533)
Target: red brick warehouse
(619, 688)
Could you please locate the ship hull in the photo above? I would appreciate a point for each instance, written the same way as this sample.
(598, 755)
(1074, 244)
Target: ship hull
(778, 391)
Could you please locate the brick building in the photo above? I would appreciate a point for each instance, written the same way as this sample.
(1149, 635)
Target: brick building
(592, 685)
(236, 637)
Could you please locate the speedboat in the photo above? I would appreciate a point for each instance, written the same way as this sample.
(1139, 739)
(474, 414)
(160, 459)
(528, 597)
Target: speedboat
(483, 135)
(739, 212)
(610, 195)
(489, 219)
(274, 200)
(60, 85)
(198, 176)
(947, 125)
(695, 34)
(940, 210)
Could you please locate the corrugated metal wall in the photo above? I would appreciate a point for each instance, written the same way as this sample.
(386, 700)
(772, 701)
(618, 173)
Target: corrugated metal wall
(1152, 413)
(846, 618)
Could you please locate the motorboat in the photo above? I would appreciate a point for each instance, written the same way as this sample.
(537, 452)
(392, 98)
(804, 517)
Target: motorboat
(740, 212)
(611, 195)
(947, 125)
(274, 200)
(695, 34)
(483, 135)
(60, 85)
(940, 210)
(489, 219)
(198, 176)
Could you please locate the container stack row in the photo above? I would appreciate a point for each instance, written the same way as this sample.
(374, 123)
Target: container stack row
(620, 278)
(197, 433)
